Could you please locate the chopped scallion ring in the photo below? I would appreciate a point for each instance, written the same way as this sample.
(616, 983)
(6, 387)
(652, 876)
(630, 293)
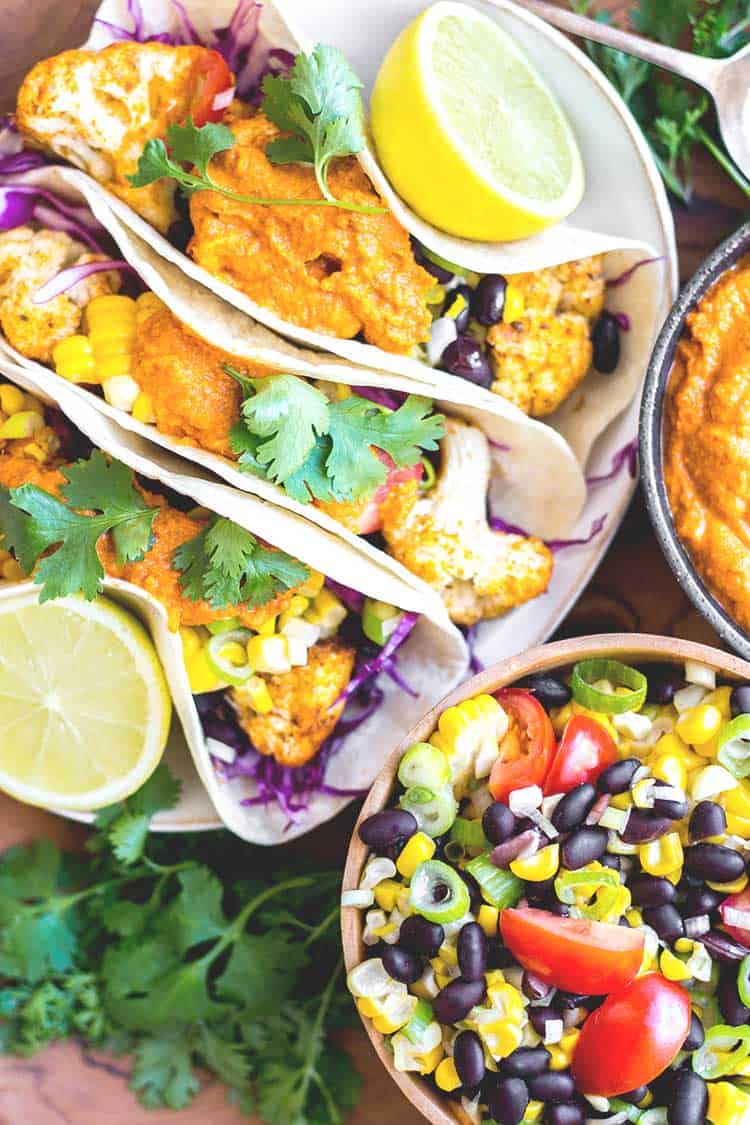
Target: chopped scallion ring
(587, 673)
(734, 746)
(221, 665)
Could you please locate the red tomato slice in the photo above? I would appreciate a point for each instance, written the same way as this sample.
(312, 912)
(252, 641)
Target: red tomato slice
(370, 519)
(527, 748)
(576, 954)
(737, 902)
(585, 751)
(632, 1037)
(213, 77)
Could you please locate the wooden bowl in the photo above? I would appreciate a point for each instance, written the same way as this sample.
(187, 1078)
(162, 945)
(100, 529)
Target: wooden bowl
(628, 647)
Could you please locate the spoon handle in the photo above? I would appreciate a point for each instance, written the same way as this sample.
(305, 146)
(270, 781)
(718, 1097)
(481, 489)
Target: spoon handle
(700, 70)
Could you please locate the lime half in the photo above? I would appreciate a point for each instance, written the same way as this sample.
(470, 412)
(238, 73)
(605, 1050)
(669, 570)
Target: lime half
(468, 132)
(84, 705)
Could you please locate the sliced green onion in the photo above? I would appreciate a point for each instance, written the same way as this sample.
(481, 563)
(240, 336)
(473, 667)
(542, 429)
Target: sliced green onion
(632, 1112)
(470, 835)
(427, 483)
(419, 1022)
(438, 893)
(379, 620)
(601, 886)
(434, 812)
(723, 1050)
(224, 626)
(499, 888)
(437, 260)
(743, 981)
(425, 765)
(587, 673)
(235, 674)
(734, 746)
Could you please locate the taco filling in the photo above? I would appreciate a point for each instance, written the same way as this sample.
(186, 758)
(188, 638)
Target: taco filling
(300, 230)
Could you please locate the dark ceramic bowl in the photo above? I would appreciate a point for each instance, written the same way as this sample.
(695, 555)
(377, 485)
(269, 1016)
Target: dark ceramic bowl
(657, 378)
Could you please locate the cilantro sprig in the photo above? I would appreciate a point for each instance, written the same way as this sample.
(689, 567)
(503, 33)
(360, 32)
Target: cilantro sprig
(319, 105)
(162, 948)
(318, 449)
(676, 118)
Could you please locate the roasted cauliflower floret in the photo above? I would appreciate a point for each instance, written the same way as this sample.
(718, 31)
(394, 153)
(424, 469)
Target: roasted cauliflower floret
(539, 359)
(444, 538)
(543, 355)
(97, 110)
(303, 716)
(28, 259)
(333, 271)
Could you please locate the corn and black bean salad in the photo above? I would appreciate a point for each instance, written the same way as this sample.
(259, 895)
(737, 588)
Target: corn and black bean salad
(556, 904)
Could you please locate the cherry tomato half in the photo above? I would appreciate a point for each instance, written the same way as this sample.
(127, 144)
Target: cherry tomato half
(585, 751)
(632, 1037)
(212, 76)
(370, 518)
(739, 902)
(576, 954)
(528, 746)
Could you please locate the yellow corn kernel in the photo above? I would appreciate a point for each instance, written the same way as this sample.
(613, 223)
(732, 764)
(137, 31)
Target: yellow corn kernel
(483, 713)
(634, 918)
(255, 692)
(515, 303)
(561, 1053)
(494, 978)
(488, 918)
(538, 867)
(12, 571)
(429, 1061)
(386, 893)
(114, 366)
(720, 698)
(11, 398)
(108, 308)
(672, 967)
(416, 850)
(737, 800)
(33, 449)
(192, 642)
(268, 628)
(313, 585)
(683, 945)
(385, 1025)
(671, 769)
(730, 888)
(21, 425)
(663, 856)
(727, 1104)
(297, 606)
(367, 1007)
(621, 801)
(327, 611)
(448, 955)
(386, 930)
(143, 409)
(699, 724)
(446, 1076)
(533, 1111)
(201, 675)
(738, 826)
(269, 654)
(503, 1037)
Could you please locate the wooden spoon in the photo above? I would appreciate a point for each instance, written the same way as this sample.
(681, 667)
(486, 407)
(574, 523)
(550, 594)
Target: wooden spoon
(727, 80)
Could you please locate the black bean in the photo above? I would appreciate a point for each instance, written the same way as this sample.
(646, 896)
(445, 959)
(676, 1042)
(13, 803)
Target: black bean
(739, 700)
(583, 846)
(566, 1114)
(468, 1056)
(462, 320)
(651, 890)
(475, 894)
(471, 948)
(689, 1099)
(605, 337)
(554, 1086)
(387, 827)
(566, 1001)
(635, 1097)
(180, 233)
(675, 810)
(465, 358)
(613, 861)
(498, 956)
(666, 920)
(573, 809)
(507, 1101)
(559, 908)
(696, 1035)
(617, 777)
(707, 819)
(730, 1005)
(534, 987)
(550, 691)
(401, 965)
(702, 900)
(488, 300)
(663, 681)
(440, 273)
(420, 936)
(457, 999)
(526, 1062)
(722, 947)
(498, 823)
(714, 863)
(539, 1017)
(642, 827)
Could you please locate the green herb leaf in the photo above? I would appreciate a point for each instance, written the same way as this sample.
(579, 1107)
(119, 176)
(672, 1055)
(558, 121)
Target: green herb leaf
(290, 413)
(107, 486)
(192, 145)
(163, 1074)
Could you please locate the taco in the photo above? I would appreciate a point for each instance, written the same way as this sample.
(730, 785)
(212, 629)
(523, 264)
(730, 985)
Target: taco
(365, 455)
(191, 150)
(281, 645)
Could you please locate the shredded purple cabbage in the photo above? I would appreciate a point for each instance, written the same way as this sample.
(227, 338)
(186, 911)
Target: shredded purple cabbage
(555, 545)
(22, 203)
(470, 634)
(390, 399)
(66, 279)
(352, 599)
(623, 321)
(498, 524)
(625, 276)
(499, 446)
(628, 455)
(383, 661)
(13, 159)
(240, 43)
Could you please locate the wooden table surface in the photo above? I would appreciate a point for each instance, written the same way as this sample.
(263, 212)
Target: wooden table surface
(632, 590)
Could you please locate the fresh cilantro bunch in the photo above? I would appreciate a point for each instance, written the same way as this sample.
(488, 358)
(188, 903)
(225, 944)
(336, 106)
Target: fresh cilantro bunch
(163, 948)
(676, 118)
(319, 105)
(292, 434)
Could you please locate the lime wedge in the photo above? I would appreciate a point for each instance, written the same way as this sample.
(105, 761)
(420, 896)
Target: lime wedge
(468, 132)
(84, 705)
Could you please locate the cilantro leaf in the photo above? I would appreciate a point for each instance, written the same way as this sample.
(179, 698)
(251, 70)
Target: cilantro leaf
(163, 1074)
(195, 914)
(320, 104)
(310, 482)
(290, 413)
(192, 145)
(107, 485)
(128, 837)
(227, 566)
